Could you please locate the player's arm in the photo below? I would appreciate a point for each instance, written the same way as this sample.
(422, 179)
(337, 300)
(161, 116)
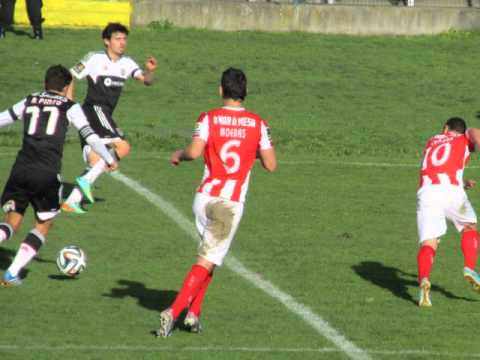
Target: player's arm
(79, 71)
(473, 135)
(77, 118)
(12, 114)
(148, 76)
(199, 141)
(191, 152)
(268, 159)
(266, 151)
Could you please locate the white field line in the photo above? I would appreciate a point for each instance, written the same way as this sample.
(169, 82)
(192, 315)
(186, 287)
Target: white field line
(164, 156)
(319, 324)
(128, 348)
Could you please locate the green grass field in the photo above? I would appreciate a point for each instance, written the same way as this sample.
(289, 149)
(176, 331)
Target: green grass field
(334, 228)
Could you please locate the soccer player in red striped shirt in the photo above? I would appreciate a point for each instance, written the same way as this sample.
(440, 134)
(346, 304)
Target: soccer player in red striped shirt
(230, 138)
(442, 196)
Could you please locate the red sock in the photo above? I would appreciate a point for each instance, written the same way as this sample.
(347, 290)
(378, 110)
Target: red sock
(191, 285)
(425, 257)
(196, 306)
(469, 249)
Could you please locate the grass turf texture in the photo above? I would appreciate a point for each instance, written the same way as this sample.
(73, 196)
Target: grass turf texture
(340, 238)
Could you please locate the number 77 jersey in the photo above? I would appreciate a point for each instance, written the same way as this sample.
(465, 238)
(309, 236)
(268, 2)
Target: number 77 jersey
(232, 136)
(444, 160)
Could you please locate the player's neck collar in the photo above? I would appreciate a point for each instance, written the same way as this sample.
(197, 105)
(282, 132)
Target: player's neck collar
(109, 58)
(234, 108)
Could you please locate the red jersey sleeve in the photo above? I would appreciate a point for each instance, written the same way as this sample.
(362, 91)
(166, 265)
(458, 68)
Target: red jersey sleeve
(202, 128)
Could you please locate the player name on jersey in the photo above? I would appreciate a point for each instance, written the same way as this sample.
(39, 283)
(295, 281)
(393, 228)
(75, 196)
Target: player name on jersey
(237, 126)
(234, 121)
(54, 101)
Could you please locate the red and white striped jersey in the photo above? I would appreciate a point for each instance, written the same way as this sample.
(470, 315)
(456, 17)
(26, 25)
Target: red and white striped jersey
(444, 159)
(232, 136)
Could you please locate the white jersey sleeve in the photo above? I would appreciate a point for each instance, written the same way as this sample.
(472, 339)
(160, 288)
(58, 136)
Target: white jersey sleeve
(8, 116)
(76, 117)
(202, 130)
(265, 139)
(133, 69)
(82, 69)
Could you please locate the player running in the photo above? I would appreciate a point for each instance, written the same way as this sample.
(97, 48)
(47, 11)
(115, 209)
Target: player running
(35, 177)
(442, 196)
(106, 72)
(230, 138)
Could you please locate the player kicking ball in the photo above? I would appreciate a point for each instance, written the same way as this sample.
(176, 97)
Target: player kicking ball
(230, 139)
(35, 177)
(442, 196)
(106, 72)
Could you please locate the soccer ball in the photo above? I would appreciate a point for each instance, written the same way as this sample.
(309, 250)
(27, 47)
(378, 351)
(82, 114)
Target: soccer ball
(71, 260)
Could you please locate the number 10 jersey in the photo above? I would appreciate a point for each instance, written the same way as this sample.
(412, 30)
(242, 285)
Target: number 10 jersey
(445, 157)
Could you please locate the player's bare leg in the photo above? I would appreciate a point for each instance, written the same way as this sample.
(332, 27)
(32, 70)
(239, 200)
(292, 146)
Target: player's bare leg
(12, 223)
(26, 252)
(469, 245)
(120, 148)
(425, 258)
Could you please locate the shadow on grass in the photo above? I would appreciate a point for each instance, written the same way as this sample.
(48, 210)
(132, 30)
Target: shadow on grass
(18, 32)
(151, 299)
(63, 277)
(6, 258)
(397, 281)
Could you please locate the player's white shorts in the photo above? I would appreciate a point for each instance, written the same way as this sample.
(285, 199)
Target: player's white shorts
(437, 203)
(217, 221)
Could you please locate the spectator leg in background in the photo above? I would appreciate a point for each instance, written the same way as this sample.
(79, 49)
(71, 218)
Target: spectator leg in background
(34, 10)
(7, 8)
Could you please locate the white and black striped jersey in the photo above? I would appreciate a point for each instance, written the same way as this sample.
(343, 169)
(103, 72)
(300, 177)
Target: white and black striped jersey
(46, 118)
(105, 77)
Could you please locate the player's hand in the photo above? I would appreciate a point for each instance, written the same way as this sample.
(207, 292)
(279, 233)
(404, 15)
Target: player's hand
(175, 158)
(112, 167)
(468, 184)
(151, 64)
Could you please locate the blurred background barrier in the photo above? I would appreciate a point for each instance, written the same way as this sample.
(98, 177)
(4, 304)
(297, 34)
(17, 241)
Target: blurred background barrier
(303, 15)
(78, 13)
(357, 17)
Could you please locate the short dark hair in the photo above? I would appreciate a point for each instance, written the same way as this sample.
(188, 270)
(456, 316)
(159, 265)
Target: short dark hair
(57, 77)
(234, 84)
(456, 124)
(112, 28)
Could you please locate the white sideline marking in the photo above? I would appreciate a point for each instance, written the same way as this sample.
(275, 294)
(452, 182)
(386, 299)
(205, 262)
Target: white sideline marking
(295, 162)
(322, 326)
(106, 348)
(164, 156)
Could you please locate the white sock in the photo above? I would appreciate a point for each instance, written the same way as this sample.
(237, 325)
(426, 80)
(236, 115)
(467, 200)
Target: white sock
(95, 171)
(75, 196)
(24, 255)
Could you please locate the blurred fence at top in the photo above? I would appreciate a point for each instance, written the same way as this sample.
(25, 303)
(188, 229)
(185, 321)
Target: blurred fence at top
(411, 3)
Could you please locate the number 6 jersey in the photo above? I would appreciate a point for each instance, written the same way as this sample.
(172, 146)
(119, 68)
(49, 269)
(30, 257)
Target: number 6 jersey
(445, 157)
(232, 136)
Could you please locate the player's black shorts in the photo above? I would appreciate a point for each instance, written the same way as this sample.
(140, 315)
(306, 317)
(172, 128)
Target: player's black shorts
(102, 123)
(41, 188)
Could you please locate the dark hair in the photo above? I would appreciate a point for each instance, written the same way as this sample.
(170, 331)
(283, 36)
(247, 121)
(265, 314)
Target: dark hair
(234, 84)
(456, 124)
(57, 77)
(112, 28)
